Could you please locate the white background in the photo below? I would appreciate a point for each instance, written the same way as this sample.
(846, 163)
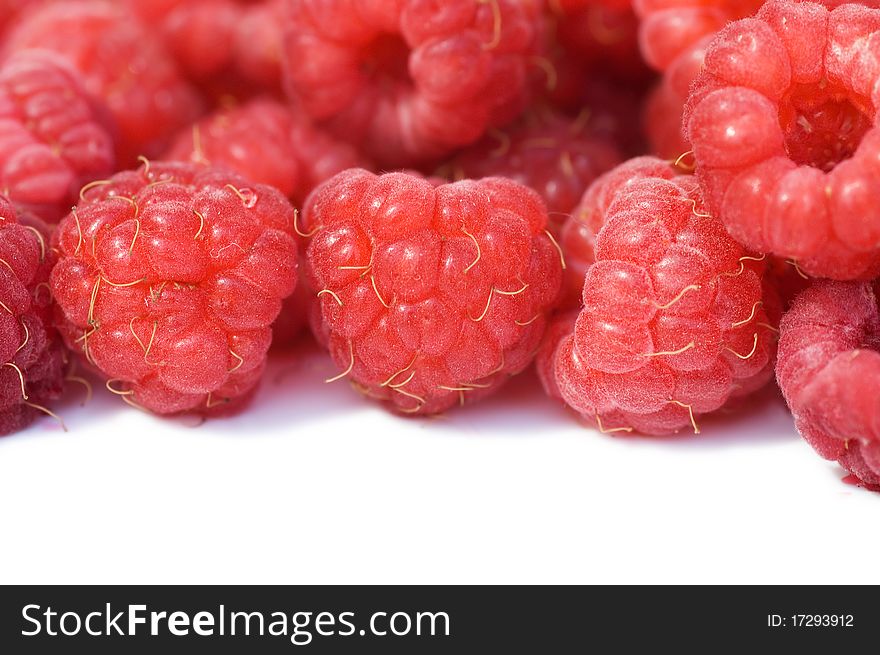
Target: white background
(314, 484)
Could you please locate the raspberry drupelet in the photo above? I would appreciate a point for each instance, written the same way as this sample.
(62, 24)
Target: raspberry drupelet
(782, 121)
(53, 136)
(829, 370)
(121, 62)
(673, 324)
(429, 296)
(556, 156)
(409, 81)
(32, 357)
(169, 279)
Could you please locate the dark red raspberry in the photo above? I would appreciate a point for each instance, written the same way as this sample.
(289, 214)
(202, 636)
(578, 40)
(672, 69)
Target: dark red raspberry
(430, 296)
(829, 370)
(556, 156)
(601, 34)
(408, 81)
(121, 63)
(169, 279)
(53, 138)
(782, 122)
(578, 235)
(673, 324)
(32, 358)
(264, 141)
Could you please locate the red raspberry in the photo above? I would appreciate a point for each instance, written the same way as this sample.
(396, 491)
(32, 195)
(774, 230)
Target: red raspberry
(33, 358)
(258, 42)
(265, 142)
(52, 137)
(782, 122)
(169, 280)
(430, 296)
(253, 140)
(669, 28)
(121, 63)
(829, 370)
(556, 156)
(578, 235)
(601, 33)
(410, 80)
(673, 324)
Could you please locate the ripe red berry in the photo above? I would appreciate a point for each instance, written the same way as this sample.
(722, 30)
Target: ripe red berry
(121, 63)
(829, 369)
(673, 324)
(32, 358)
(556, 156)
(53, 137)
(169, 279)
(430, 296)
(578, 235)
(266, 142)
(782, 122)
(408, 81)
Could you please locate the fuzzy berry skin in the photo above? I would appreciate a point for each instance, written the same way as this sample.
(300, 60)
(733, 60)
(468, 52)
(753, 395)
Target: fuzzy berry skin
(169, 279)
(782, 122)
(429, 296)
(121, 62)
(32, 357)
(669, 28)
(410, 80)
(266, 142)
(673, 324)
(556, 156)
(578, 234)
(53, 137)
(828, 370)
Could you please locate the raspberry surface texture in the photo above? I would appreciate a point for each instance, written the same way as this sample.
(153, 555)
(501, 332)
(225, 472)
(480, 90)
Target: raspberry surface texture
(169, 279)
(578, 235)
(408, 81)
(782, 124)
(828, 370)
(122, 63)
(266, 142)
(53, 137)
(556, 156)
(673, 324)
(430, 296)
(32, 357)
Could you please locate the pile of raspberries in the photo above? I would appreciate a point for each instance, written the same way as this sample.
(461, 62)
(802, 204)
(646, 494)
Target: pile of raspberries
(662, 205)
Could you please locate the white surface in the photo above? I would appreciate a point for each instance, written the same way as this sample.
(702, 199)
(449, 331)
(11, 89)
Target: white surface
(316, 485)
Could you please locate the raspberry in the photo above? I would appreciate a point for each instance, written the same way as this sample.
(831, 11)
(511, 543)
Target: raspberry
(33, 358)
(828, 370)
(673, 324)
(669, 28)
(601, 33)
(253, 140)
(121, 63)
(555, 156)
(169, 279)
(265, 142)
(430, 296)
(52, 137)
(578, 235)
(409, 81)
(560, 327)
(782, 122)
(258, 43)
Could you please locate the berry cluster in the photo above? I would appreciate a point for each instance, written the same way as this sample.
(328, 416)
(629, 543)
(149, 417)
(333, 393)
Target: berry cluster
(628, 193)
